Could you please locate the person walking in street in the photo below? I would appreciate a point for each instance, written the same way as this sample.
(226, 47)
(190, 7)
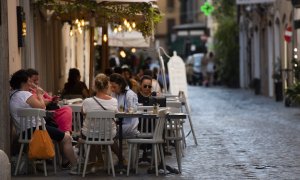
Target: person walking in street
(210, 67)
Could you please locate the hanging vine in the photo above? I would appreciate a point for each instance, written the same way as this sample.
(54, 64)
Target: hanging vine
(110, 12)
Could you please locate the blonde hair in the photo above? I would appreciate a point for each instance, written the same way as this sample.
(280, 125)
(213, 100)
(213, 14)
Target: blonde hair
(101, 82)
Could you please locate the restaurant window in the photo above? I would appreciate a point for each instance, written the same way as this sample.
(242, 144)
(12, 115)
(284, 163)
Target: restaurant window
(170, 25)
(170, 5)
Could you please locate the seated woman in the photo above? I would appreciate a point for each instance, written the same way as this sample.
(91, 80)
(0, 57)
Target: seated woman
(20, 97)
(75, 88)
(126, 99)
(101, 101)
(101, 84)
(62, 116)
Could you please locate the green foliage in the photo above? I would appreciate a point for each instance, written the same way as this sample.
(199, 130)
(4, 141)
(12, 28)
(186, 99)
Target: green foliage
(296, 69)
(226, 42)
(106, 12)
(293, 92)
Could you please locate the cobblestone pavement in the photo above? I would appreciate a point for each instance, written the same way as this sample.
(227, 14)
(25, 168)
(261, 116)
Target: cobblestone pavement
(240, 136)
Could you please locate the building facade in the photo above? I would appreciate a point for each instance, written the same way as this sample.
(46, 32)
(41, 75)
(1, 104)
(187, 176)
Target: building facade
(265, 55)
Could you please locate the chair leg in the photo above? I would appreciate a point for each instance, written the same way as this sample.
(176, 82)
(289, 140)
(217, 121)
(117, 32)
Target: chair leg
(155, 159)
(178, 154)
(19, 159)
(86, 159)
(106, 160)
(129, 158)
(58, 154)
(137, 158)
(152, 156)
(45, 167)
(54, 164)
(183, 139)
(163, 158)
(111, 161)
(80, 157)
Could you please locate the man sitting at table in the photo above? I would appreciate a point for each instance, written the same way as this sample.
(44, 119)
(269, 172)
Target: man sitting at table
(145, 90)
(144, 95)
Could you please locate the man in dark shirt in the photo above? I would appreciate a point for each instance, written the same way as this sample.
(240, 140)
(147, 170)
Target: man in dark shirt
(145, 90)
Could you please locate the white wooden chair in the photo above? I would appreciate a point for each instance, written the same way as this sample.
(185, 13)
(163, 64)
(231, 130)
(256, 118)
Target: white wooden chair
(76, 119)
(29, 119)
(176, 107)
(99, 132)
(173, 132)
(156, 141)
(146, 123)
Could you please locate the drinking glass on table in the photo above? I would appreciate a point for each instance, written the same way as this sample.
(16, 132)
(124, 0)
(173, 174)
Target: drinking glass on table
(121, 108)
(132, 105)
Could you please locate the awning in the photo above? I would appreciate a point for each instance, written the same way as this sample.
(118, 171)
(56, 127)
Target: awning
(125, 39)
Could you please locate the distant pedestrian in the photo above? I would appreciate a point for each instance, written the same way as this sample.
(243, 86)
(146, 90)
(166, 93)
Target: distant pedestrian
(210, 68)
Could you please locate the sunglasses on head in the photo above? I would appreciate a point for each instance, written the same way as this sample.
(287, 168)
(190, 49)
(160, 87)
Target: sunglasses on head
(147, 86)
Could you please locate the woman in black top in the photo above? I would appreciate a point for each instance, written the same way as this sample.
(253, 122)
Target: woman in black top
(74, 87)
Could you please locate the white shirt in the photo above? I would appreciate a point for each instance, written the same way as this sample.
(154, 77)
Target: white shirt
(17, 101)
(89, 104)
(129, 98)
(210, 67)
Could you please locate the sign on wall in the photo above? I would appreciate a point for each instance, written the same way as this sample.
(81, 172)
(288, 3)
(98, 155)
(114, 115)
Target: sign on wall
(253, 1)
(288, 34)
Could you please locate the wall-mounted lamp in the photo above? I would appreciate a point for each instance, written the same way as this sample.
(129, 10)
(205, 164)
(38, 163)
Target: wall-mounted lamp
(24, 28)
(21, 26)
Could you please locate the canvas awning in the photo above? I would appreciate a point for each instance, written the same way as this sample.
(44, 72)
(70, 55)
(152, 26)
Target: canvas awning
(124, 39)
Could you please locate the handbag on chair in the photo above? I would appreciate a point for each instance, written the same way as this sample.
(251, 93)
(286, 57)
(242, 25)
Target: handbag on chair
(41, 145)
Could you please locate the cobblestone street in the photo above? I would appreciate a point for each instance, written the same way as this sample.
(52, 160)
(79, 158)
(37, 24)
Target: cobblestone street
(240, 136)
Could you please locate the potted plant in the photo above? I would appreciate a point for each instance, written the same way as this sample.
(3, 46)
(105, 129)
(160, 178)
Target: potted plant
(292, 93)
(277, 76)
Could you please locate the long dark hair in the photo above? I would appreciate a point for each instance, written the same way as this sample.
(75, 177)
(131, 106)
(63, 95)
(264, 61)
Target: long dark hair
(120, 80)
(74, 75)
(19, 77)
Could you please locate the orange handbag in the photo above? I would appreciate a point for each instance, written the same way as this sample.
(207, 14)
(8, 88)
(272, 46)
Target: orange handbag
(41, 145)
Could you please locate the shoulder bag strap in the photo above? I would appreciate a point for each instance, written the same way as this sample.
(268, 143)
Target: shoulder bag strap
(99, 103)
(13, 93)
(102, 106)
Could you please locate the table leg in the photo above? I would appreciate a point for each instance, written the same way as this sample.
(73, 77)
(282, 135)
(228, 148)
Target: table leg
(120, 166)
(120, 142)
